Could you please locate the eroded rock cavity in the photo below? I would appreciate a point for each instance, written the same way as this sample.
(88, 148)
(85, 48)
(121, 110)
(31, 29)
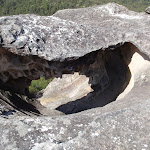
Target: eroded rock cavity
(93, 80)
(101, 77)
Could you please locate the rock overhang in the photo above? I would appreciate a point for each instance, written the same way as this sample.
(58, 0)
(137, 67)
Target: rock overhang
(51, 46)
(63, 36)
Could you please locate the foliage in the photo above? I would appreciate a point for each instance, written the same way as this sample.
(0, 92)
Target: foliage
(48, 7)
(38, 85)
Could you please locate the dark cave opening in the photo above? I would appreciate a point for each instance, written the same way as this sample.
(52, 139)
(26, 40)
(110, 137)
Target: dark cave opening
(117, 79)
(107, 71)
(121, 69)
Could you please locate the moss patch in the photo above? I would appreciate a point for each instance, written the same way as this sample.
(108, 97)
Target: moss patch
(38, 85)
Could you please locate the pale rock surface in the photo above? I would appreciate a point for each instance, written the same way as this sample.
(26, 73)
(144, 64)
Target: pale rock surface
(61, 90)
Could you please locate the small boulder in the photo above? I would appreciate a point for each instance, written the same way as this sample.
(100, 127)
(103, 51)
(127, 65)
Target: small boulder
(147, 10)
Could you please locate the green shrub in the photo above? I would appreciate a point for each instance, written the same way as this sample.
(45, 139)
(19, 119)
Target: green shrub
(49, 7)
(38, 85)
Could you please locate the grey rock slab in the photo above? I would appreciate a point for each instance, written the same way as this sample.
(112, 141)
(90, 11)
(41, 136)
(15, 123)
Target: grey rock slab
(124, 129)
(74, 33)
(127, 128)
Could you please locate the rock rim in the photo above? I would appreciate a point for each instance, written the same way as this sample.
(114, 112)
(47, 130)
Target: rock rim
(72, 33)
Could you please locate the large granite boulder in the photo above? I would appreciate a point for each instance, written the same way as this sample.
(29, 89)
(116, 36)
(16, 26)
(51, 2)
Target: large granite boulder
(99, 58)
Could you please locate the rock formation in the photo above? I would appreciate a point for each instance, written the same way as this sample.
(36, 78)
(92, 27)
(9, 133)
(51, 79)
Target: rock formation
(99, 58)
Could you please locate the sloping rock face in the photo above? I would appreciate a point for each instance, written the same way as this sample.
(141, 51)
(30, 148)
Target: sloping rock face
(97, 55)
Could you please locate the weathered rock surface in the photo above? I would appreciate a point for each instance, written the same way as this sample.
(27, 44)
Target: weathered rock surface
(61, 90)
(147, 10)
(98, 55)
(127, 128)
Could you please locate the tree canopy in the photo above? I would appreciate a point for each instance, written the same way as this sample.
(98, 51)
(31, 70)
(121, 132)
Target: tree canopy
(49, 7)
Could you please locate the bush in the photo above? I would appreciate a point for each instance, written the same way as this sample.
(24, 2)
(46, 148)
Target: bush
(38, 85)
